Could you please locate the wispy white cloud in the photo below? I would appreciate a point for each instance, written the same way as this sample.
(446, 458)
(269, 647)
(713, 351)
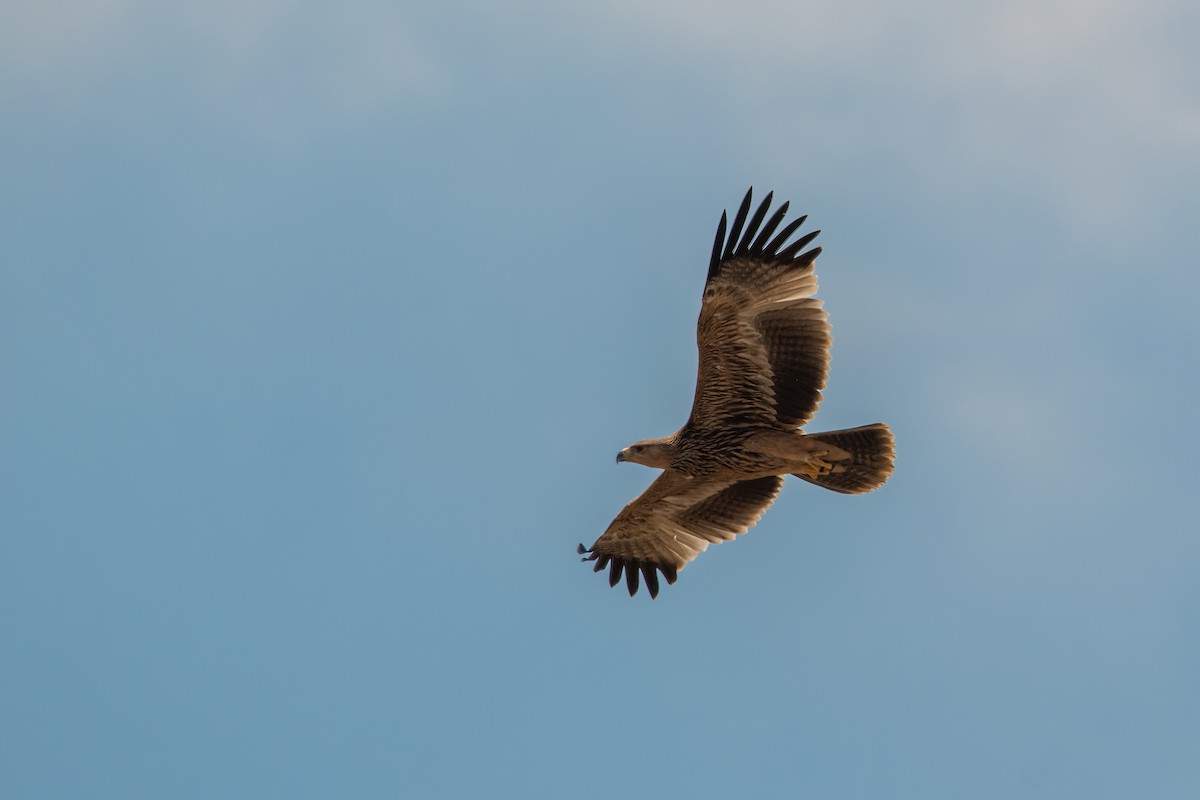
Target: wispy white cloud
(49, 46)
(357, 56)
(272, 68)
(1090, 106)
(1091, 94)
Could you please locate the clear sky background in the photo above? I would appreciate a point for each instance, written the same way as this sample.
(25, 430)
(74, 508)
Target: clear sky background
(320, 326)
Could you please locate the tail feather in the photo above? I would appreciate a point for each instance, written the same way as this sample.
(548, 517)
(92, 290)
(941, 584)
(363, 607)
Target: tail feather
(872, 455)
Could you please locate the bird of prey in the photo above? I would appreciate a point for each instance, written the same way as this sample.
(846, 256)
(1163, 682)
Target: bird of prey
(764, 343)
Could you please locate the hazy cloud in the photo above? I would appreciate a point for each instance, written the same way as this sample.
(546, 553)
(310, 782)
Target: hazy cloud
(1092, 102)
(276, 69)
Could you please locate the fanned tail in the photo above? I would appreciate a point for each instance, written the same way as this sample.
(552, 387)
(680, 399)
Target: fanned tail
(872, 456)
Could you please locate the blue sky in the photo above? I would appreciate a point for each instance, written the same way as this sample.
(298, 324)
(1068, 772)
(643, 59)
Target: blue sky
(320, 327)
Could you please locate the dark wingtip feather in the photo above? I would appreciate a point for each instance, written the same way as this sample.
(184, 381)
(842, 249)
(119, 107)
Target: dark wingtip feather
(614, 574)
(795, 247)
(752, 237)
(752, 226)
(651, 580)
(717, 244)
(634, 571)
(757, 246)
(581, 549)
(738, 221)
(772, 247)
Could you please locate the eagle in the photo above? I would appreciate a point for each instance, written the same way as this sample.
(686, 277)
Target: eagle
(764, 341)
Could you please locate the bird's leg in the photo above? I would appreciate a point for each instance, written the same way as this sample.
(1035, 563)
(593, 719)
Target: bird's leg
(816, 466)
(814, 459)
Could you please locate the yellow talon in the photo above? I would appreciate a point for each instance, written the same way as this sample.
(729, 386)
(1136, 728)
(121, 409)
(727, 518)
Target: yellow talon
(816, 468)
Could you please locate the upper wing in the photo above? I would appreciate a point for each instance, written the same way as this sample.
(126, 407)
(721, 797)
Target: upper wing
(673, 521)
(763, 337)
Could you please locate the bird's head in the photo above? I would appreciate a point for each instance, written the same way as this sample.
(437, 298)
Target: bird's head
(651, 452)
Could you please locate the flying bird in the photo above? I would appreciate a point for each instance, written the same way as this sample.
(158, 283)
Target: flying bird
(764, 343)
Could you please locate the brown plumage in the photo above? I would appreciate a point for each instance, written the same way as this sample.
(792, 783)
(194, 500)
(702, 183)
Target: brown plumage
(764, 345)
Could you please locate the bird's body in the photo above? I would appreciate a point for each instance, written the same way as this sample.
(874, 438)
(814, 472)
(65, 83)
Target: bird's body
(763, 340)
(735, 452)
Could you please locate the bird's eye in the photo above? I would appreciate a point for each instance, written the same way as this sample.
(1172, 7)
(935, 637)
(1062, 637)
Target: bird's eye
(638, 448)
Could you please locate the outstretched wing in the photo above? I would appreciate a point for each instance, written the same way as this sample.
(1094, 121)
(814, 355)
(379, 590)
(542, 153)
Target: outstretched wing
(762, 335)
(673, 521)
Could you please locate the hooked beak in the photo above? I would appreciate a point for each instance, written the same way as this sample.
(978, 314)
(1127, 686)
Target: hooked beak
(621, 455)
